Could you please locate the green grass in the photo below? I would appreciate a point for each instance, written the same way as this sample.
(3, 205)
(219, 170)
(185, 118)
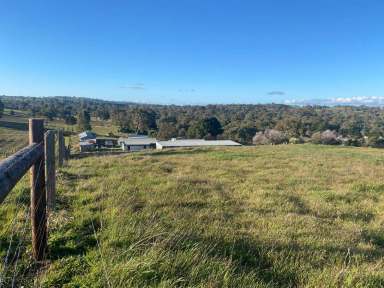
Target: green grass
(273, 216)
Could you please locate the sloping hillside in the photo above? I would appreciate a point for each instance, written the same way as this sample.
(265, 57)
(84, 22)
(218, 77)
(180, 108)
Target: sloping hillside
(276, 216)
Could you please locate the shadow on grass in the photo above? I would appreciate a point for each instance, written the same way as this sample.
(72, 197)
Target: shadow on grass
(244, 255)
(14, 125)
(8, 248)
(74, 239)
(248, 256)
(71, 177)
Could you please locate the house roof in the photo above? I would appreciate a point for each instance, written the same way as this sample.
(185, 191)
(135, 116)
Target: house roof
(137, 141)
(106, 139)
(87, 134)
(137, 136)
(197, 142)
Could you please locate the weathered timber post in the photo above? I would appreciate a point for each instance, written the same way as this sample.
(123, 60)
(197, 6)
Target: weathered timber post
(50, 169)
(61, 144)
(38, 197)
(67, 152)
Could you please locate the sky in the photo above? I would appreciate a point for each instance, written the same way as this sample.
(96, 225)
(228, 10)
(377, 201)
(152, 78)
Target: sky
(193, 51)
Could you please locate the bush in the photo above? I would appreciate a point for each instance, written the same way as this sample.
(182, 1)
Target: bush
(270, 136)
(327, 137)
(296, 140)
(260, 139)
(376, 141)
(357, 142)
(276, 137)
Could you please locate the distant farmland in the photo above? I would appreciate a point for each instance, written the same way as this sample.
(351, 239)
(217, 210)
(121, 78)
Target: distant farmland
(13, 134)
(14, 131)
(271, 216)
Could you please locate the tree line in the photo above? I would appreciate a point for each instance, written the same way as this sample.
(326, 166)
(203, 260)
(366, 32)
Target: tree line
(349, 125)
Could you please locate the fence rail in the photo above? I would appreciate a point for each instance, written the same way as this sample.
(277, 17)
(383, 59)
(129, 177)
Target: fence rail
(15, 166)
(39, 157)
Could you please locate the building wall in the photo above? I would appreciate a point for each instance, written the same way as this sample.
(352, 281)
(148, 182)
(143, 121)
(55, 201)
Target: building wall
(137, 148)
(134, 148)
(85, 148)
(159, 146)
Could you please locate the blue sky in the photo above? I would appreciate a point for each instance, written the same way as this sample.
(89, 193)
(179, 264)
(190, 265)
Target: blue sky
(193, 51)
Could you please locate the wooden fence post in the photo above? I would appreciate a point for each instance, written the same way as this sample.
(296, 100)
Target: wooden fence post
(61, 144)
(50, 169)
(38, 197)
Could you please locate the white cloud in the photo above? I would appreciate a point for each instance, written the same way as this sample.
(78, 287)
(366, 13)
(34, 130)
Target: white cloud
(351, 101)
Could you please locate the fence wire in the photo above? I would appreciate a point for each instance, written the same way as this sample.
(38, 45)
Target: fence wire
(17, 236)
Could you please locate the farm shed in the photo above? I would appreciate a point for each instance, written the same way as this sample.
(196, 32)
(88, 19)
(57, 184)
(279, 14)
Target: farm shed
(106, 142)
(174, 143)
(137, 143)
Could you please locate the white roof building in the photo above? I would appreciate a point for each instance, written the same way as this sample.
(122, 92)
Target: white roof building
(194, 143)
(137, 141)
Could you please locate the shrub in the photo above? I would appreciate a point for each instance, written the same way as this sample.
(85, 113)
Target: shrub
(296, 140)
(346, 141)
(276, 137)
(376, 141)
(260, 139)
(327, 137)
(270, 136)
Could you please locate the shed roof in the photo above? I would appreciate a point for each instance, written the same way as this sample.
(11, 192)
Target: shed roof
(137, 141)
(197, 142)
(134, 135)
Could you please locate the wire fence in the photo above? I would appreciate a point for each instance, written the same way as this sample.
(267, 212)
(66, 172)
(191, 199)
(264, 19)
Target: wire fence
(18, 210)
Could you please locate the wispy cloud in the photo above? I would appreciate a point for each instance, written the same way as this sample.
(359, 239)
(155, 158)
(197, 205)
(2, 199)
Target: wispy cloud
(276, 93)
(339, 101)
(135, 86)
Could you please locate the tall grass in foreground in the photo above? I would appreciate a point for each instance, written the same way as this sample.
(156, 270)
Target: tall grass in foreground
(277, 216)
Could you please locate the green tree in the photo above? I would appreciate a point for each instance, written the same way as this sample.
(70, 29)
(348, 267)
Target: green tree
(197, 130)
(122, 119)
(167, 128)
(103, 113)
(208, 127)
(1, 109)
(213, 126)
(84, 120)
(70, 120)
(143, 121)
(376, 134)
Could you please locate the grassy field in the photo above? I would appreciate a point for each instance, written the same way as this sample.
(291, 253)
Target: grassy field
(272, 216)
